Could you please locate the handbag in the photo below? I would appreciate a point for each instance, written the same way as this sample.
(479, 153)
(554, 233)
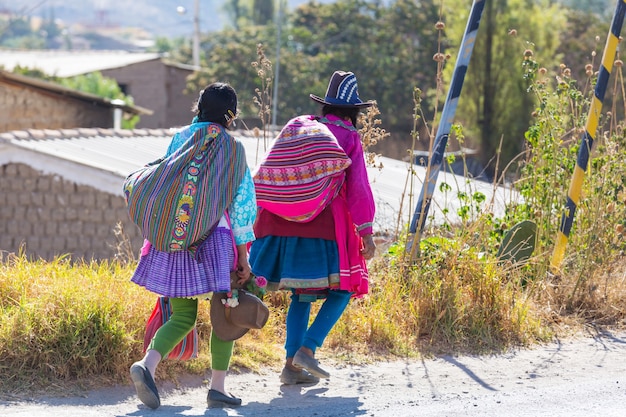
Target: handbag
(186, 349)
(177, 200)
(232, 321)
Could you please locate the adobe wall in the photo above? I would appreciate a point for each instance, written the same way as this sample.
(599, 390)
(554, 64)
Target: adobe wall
(23, 108)
(158, 87)
(179, 104)
(52, 216)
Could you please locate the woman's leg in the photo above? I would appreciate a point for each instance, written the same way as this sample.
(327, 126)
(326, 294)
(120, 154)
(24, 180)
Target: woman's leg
(297, 324)
(330, 312)
(181, 322)
(221, 352)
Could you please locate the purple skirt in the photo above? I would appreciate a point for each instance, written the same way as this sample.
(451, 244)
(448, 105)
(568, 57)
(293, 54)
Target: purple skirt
(181, 274)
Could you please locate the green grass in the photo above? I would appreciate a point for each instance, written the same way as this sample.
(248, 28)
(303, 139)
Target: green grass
(81, 325)
(69, 325)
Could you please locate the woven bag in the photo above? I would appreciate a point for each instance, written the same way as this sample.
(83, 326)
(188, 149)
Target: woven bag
(176, 201)
(302, 172)
(186, 349)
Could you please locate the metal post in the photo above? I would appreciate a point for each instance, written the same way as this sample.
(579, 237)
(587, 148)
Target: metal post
(196, 35)
(573, 195)
(117, 113)
(447, 115)
(279, 24)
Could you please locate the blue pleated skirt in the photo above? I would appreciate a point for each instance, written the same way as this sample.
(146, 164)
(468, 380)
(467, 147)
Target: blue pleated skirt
(295, 262)
(183, 274)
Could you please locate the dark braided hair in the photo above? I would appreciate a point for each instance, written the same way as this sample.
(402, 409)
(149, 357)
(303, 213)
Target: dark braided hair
(342, 112)
(214, 104)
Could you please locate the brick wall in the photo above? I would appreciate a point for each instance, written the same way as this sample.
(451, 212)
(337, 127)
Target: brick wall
(25, 108)
(52, 216)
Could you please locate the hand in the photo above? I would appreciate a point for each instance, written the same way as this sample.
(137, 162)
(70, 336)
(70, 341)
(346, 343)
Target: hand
(243, 272)
(369, 247)
(243, 266)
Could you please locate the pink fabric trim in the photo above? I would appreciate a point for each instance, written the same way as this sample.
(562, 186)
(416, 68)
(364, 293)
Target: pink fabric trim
(353, 274)
(146, 247)
(304, 210)
(236, 257)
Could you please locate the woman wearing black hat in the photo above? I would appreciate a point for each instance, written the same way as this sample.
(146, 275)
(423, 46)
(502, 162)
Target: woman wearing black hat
(317, 254)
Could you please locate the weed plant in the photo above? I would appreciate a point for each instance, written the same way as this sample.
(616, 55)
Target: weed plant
(586, 281)
(64, 321)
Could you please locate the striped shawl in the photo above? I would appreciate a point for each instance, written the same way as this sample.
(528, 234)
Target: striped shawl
(176, 201)
(302, 171)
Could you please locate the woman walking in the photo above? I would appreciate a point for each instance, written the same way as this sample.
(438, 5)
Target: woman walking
(186, 276)
(314, 226)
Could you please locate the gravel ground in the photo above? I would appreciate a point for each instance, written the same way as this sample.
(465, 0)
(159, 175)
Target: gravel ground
(582, 376)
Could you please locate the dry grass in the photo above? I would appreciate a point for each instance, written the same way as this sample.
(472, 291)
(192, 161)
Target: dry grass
(71, 326)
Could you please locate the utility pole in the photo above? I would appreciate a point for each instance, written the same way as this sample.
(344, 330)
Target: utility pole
(196, 35)
(279, 24)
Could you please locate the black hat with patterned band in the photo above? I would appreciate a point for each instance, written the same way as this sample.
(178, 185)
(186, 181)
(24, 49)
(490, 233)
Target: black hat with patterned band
(342, 92)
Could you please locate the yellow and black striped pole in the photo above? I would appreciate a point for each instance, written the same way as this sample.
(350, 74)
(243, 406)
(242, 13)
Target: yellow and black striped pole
(573, 195)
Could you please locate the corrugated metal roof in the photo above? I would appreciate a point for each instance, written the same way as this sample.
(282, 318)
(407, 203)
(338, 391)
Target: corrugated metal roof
(103, 157)
(70, 63)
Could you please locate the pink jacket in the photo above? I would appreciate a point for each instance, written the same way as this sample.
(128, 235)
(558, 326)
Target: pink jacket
(358, 191)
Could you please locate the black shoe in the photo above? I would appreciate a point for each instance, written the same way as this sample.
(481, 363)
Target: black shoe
(145, 386)
(217, 399)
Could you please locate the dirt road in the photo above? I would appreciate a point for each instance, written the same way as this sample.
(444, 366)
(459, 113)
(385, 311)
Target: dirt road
(580, 377)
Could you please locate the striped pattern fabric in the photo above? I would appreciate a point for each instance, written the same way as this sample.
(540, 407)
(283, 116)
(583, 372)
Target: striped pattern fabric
(573, 195)
(182, 274)
(176, 201)
(302, 171)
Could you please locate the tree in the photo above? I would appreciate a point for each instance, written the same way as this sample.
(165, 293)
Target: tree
(596, 7)
(494, 106)
(389, 48)
(227, 56)
(96, 83)
(50, 30)
(16, 33)
(237, 11)
(262, 12)
(584, 34)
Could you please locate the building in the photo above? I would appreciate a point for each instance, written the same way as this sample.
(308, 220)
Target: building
(152, 81)
(30, 103)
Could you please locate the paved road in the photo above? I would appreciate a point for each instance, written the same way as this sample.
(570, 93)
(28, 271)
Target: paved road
(574, 378)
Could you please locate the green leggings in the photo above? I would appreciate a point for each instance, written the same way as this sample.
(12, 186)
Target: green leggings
(182, 321)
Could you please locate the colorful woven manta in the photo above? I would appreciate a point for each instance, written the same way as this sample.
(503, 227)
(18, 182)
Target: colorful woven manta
(177, 200)
(302, 171)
